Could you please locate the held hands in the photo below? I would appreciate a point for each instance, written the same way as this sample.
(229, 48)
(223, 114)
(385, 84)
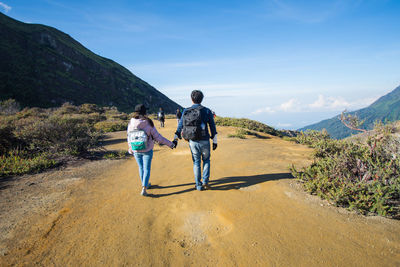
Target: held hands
(175, 144)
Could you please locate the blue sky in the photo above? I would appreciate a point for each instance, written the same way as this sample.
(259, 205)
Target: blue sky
(287, 63)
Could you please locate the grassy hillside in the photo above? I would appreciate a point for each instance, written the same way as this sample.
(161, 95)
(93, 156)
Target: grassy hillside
(386, 108)
(44, 67)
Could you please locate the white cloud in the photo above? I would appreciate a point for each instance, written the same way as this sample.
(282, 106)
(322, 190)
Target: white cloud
(291, 105)
(339, 103)
(319, 103)
(264, 110)
(323, 103)
(6, 7)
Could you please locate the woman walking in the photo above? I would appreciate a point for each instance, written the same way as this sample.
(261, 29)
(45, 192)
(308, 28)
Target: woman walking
(141, 136)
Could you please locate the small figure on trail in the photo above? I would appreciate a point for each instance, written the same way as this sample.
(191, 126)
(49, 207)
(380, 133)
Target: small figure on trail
(214, 114)
(141, 136)
(161, 117)
(193, 127)
(178, 114)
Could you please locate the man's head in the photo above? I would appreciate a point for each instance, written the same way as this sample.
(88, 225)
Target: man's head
(197, 96)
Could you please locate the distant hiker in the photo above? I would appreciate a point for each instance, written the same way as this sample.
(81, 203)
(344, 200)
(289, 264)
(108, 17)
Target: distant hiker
(193, 127)
(178, 114)
(141, 136)
(214, 114)
(161, 117)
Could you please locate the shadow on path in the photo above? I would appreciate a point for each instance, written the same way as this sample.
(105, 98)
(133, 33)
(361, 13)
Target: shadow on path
(5, 182)
(237, 182)
(113, 141)
(226, 183)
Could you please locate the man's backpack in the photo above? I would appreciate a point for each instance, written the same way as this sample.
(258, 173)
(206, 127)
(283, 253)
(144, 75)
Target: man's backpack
(191, 120)
(137, 139)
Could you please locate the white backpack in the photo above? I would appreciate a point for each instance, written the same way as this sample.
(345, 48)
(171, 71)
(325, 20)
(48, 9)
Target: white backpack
(137, 139)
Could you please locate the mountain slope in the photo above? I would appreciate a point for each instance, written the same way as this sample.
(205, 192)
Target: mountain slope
(42, 66)
(386, 108)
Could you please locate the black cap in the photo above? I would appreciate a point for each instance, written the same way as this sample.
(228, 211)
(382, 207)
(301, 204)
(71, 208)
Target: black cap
(141, 109)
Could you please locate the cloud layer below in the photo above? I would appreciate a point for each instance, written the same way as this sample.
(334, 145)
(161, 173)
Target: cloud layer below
(322, 103)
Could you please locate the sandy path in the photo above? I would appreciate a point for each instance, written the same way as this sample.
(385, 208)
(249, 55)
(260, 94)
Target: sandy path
(254, 215)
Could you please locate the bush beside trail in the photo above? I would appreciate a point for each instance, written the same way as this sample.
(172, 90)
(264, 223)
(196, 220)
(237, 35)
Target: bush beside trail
(247, 124)
(34, 139)
(361, 175)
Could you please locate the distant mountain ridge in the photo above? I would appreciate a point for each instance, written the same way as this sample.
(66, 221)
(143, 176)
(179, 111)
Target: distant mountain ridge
(386, 108)
(44, 67)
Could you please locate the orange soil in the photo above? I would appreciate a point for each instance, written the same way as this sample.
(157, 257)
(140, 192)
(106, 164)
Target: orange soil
(254, 215)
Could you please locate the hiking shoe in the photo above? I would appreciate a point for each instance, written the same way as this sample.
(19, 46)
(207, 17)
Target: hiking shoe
(144, 193)
(199, 188)
(206, 186)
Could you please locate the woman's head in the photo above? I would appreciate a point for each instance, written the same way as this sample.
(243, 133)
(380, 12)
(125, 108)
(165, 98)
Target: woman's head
(140, 113)
(140, 109)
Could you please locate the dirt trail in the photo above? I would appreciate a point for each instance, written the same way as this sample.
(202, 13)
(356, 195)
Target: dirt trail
(254, 215)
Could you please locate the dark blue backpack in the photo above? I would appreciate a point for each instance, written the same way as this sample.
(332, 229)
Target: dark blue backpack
(191, 120)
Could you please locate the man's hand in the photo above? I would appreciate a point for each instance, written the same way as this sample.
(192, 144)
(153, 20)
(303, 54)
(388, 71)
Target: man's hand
(215, 142)
(177, 135)
(175, 142)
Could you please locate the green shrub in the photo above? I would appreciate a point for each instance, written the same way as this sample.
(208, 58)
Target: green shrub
(95, 117)
(111, 126)
(9, 106)
(7, 138)
(91, 118)
(67, 108)
(240, 133)
(59, 134)
(120, 116)
(246, 124)
(17, 162)
(34, 139)
(115, 154)
(288, 138)
(34, 112)
(90, 108)
(363, 176)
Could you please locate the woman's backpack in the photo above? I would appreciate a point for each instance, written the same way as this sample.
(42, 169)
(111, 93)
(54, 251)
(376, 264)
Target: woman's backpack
(137, 139)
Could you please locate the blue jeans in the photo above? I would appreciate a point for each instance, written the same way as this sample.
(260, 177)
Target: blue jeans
(200, 150)
(143, 160)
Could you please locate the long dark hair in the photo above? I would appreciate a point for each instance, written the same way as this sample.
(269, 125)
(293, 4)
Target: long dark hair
(136, 115)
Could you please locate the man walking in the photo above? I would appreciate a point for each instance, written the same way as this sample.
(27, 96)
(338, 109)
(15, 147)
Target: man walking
(193, 127)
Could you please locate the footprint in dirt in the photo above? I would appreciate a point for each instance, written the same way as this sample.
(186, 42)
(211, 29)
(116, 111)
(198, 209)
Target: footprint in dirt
(203, 226)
